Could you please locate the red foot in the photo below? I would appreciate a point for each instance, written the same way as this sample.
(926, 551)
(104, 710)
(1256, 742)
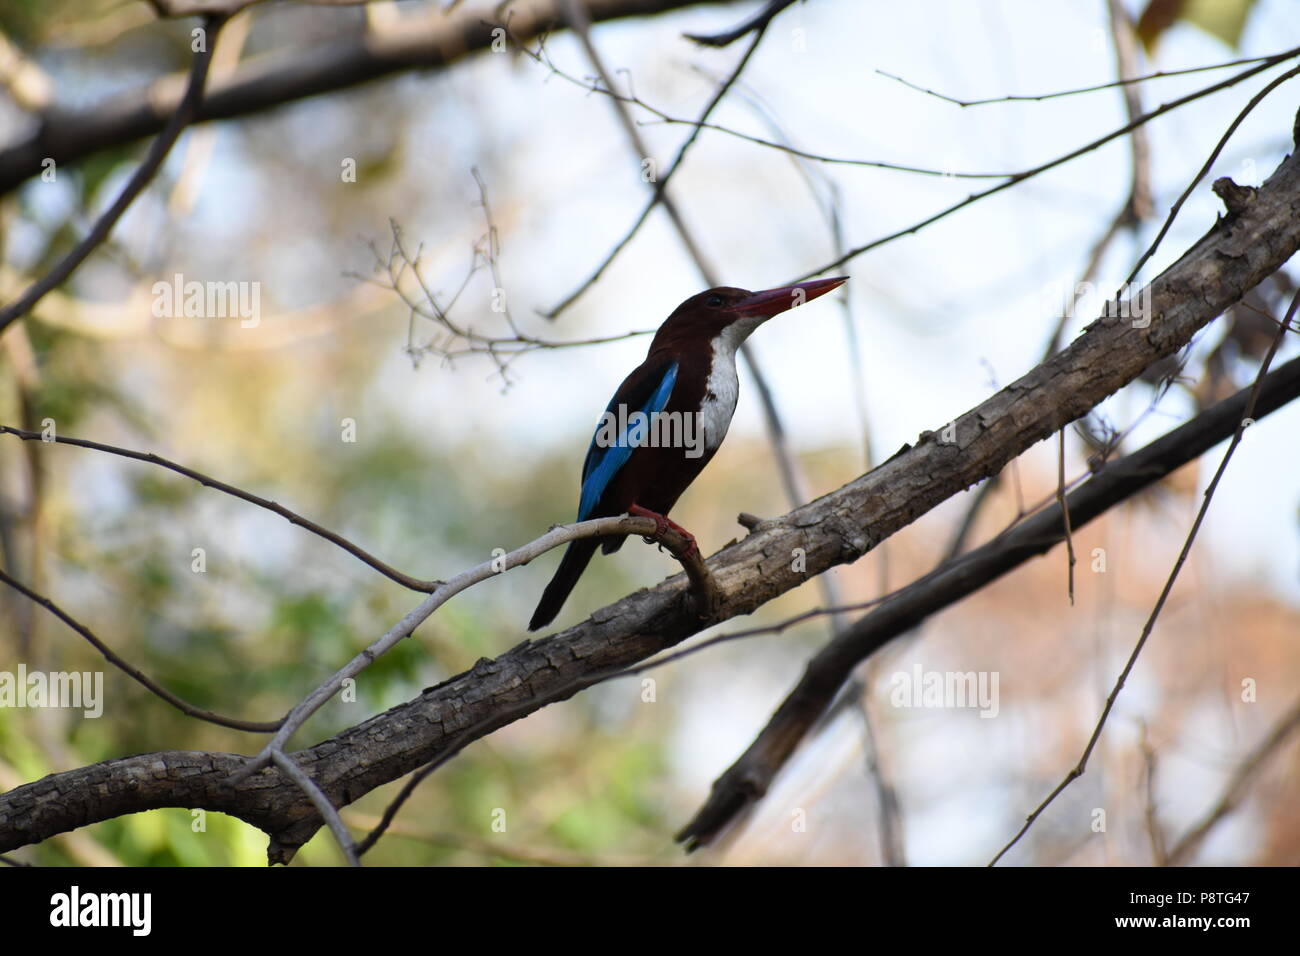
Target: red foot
(662, 524)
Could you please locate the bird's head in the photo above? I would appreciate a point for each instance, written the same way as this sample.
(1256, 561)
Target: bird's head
(732, 314)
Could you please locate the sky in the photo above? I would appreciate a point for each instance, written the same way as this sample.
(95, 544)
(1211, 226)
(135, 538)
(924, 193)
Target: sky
(940, 316)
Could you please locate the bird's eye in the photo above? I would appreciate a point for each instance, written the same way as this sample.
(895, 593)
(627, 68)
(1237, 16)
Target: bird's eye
(714, 302)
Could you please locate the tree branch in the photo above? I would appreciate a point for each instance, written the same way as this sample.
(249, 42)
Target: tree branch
(334, 538)
(749, 777)
(755, 24)
(275, 79)
(1243, 421)
(1237, 253)
(182, 117)
(1058, 161)
(1241, 779)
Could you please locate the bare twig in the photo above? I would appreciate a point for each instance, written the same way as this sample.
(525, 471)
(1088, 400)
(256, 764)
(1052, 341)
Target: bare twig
(1065, 513)
(492, 247)
(661, 181)
(1149, 815)
(601, 85)
(705, 595)
(757, 23)
(329, 813)
(1122, 82)
(888, 815)
(502, 349)
(257, 727)
(580, 24)
(748, 779)
(1205, 168)
(145, 172)
(1240, 430)
(1241, 779)
(415, 584)
(1053, 163)
(1124, 37)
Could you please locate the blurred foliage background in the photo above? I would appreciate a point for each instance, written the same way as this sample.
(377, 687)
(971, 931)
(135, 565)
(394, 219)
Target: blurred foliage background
(452, 458)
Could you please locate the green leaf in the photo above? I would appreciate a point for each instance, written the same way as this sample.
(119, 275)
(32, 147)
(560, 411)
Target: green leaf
(1224, 19)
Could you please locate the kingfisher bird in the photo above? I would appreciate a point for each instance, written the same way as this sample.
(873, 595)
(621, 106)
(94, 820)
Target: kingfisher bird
(667, 420)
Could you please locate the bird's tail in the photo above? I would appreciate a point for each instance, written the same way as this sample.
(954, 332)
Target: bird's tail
(574, 562)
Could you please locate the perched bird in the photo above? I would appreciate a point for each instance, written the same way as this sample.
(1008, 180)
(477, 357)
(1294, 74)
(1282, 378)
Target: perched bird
(667, 419)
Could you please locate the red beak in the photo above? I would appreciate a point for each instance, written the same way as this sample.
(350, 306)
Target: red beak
(772, 302)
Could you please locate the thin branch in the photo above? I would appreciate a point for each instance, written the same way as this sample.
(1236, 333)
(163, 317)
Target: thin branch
(1122, 82)
(502, 349)
(580, 24)
(145, 172)
(415, 584)
(1050, 164)
(1065, 514)
(257, 727)
(749, 778)
(662, 181)
(705, 595)
(1236, 789)
(780, 147)
(329, 813)
(602, 85)
(492, 248)
(1149, 815)
(888, 813)
(1205, 168)
(1237, 434)
(426, 40)
(755, 24)
(1124, 38)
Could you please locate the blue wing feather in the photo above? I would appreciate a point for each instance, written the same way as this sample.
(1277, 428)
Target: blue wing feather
(604, 460)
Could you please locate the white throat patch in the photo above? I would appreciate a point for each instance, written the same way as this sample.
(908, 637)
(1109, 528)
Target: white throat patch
(723, 386)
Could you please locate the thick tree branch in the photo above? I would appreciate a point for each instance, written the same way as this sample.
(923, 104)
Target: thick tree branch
(751, 775)
(67, 136)
(1246, 417)
(1234, 256)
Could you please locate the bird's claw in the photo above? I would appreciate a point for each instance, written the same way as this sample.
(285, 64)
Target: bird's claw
(662, 526)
